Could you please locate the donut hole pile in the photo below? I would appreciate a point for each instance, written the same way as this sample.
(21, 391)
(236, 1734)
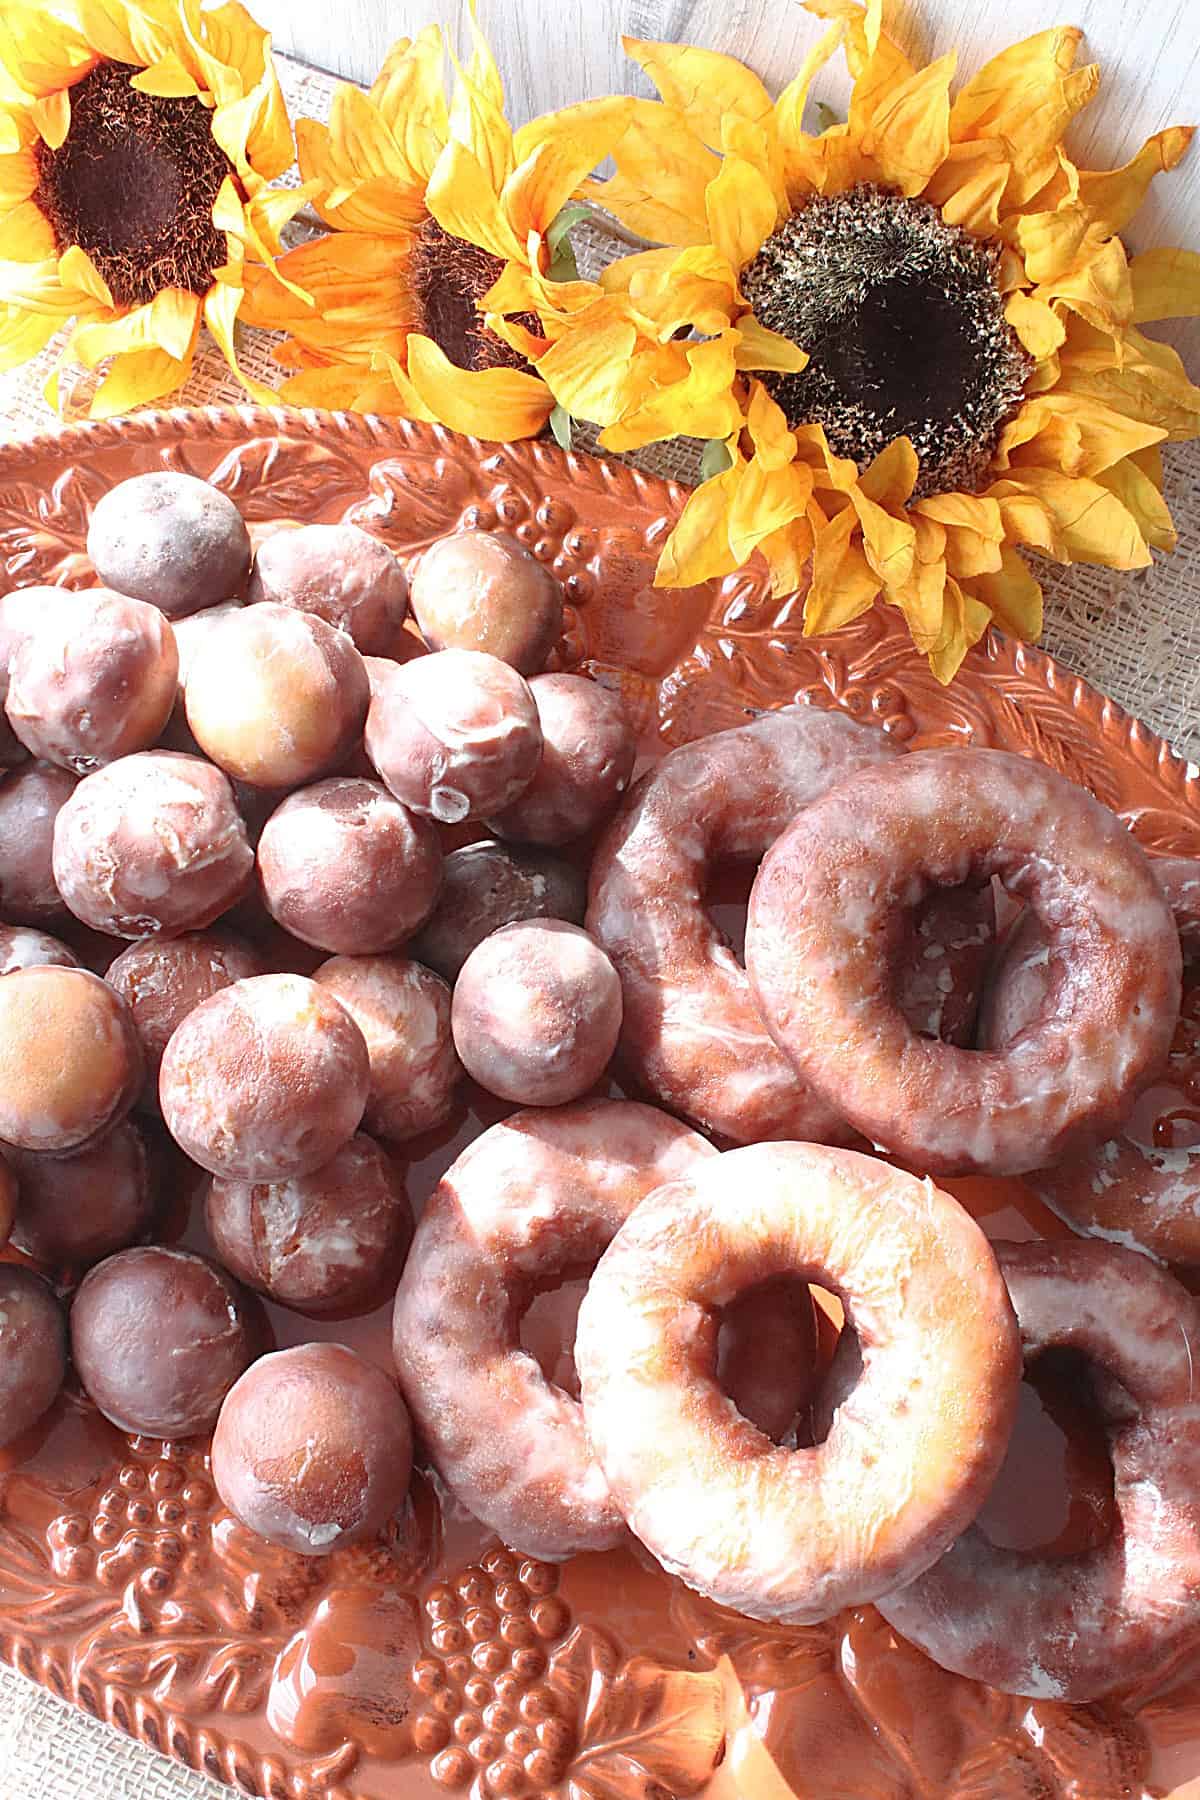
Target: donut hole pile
(298, 842)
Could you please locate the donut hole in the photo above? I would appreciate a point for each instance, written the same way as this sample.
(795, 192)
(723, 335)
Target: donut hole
(725, 899)
(547, 1327)
(1054, 1495)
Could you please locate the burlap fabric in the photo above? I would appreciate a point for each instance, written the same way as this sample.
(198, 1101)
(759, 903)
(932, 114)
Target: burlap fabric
(1136, 637)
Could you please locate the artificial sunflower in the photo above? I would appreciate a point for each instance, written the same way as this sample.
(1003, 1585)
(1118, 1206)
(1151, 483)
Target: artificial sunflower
(920, 325)
(137, 138)
(428, 204)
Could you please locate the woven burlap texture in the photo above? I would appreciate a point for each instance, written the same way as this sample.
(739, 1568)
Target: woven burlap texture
(1136, 637)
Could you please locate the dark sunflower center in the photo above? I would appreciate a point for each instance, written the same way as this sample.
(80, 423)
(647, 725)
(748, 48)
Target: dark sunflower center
(134, 185)
(448, 277)
(905, 330)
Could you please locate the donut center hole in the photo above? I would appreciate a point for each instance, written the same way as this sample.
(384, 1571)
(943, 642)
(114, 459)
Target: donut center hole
(547, 1329)
(725, 900)
(1054, 1493)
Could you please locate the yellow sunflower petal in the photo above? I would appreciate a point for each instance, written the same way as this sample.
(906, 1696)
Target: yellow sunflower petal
(964, 621)
(692, 396)
(544, 181)
(767, 500)
(410, 95)
(76, 269)
(789, 114)
(703, 85)
(1113, 196)
(37, 287)
(1135, 375)
(23, 334)
(363, 139)
(662, 174)
(589, 372)
(168, 78)
(462, 198)
(52, 116)
(477, 118)
(974, 531)
(773, 440)
(337, 388)
(1165, 284)
(891, 477)
(787, 553)
(844, 583)
(40, 51)
(1077, 435)
(121, 33)
(975, 204)
(137, 377)
(91, 342)
(908, 132)
(1079, 521)
(1100, 292)
(761, 348)
(26, 234)
(18, 178)
(741, 211)
(694, 287)
(381, 205)
(1051, 242)
(1137, 484)
(1013, 595)
(484, 403)
(698, 547)
(1036, 323)
(1027, 95)
(174, 320)
(221, 304)
(922, 600)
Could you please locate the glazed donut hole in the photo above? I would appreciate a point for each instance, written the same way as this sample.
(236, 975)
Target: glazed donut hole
(171, 540)
(70, 1061)
(403, 1012)
(33, 1350)
(23, 948)
(265, 1080)
(276, 697)
(21, 610)
(588, 751)
(76, 1209)
(95, 679)
(162, 980)
(344, 866)
(341, 574)
(158, 1337)
(486, 885)
(30, 801)
(153, 843)
(330, 1242)
(454, 735)
(313, 1449)
(192, 633)
(536, 1013)
(480, 590)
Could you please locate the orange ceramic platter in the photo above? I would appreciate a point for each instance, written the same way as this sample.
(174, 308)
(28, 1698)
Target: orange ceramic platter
(435, 1661)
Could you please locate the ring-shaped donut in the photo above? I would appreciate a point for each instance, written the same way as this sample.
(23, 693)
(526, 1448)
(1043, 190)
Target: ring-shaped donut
(1073, 1627)
(1140, 1188)
(832, 893)
(691, 1034)
(796, 1535)
(533, 1199)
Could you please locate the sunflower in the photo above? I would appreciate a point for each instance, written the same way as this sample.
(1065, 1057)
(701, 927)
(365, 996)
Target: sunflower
(428, 204)
(137, 138)
(915, 337)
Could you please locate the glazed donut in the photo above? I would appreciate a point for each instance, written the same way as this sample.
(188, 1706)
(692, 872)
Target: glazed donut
(1071, 1628)
(692, 1035)
(825, 907)
(538, 1195)
(1142, 1187)
(796, 1535)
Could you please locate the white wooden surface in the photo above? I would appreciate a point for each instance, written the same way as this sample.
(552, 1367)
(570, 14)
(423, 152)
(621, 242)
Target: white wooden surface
(555, 51)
